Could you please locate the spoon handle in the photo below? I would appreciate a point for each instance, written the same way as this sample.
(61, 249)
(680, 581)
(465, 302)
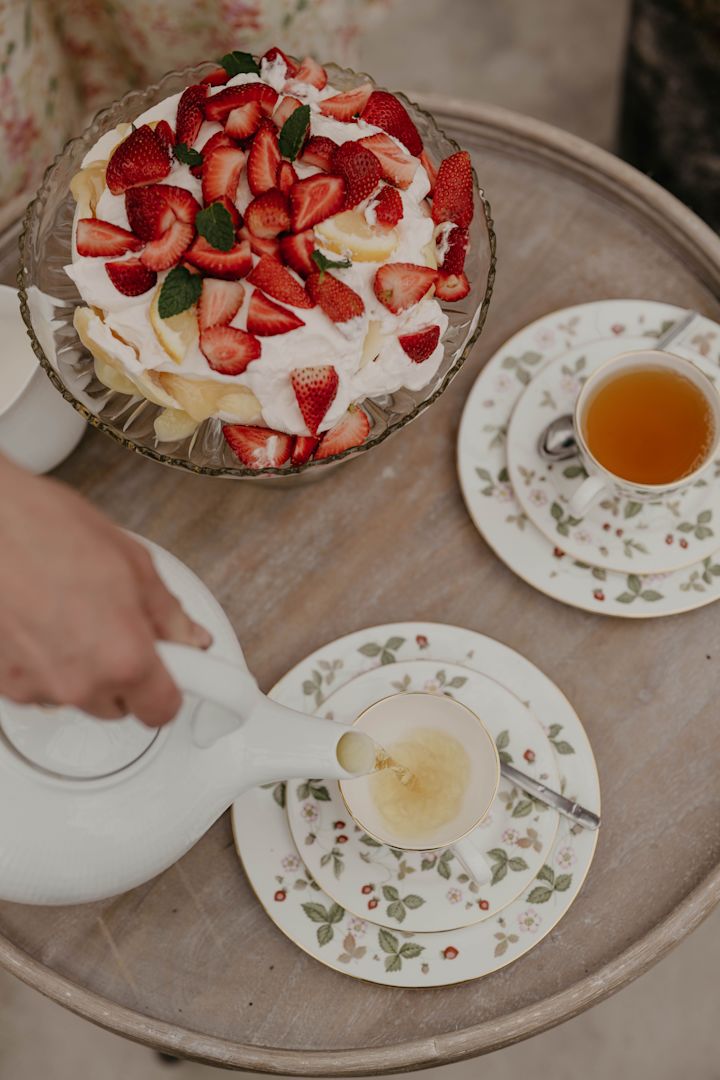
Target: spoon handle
(564, 806)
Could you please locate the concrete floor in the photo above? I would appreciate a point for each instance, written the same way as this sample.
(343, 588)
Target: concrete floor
(558, 60)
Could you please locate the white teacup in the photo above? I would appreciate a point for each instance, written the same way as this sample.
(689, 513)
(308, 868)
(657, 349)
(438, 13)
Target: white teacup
(38, 428)
(394, 719)
(601, 480)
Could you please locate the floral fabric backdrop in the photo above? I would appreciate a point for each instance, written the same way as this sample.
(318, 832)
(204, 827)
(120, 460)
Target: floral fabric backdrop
(62, 60)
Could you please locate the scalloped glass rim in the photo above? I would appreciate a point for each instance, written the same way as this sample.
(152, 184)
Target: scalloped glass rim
(483, 254)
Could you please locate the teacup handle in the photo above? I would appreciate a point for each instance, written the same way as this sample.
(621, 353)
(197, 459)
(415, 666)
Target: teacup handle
(583, 497)
(469, 853)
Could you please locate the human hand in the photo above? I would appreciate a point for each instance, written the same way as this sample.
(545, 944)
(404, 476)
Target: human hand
(81, 607)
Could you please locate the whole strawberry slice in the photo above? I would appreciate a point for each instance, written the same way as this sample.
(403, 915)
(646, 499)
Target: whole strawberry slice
(420, 344)
(453, 260)
(142, 158)
(386, 112)
(315, 389)
(401, 285)
(273, 53)
(303, 449)
(167, 251)
(229, 351)
(218, 106)
(314, 199)
(244, 121)
(219, 302)
(398, 167)
(453, 195)
(338, 300)
(360, 169)
(263, 161)
(233, 264)
(190, 113)
(232, 210)
(285, 109)
(318, 151)
(350, 431)
(451, 287)
(151, 210)
(258, 447)
(221, 173)
(312, 73)
(272, 277)
(259, 245)
(267, 215)
(286, 177)
(346, 106)
(296, 251)
(389, 207)
(166, 134)
(130, 277)
(214, 143)
(266, 318)
(95, 237)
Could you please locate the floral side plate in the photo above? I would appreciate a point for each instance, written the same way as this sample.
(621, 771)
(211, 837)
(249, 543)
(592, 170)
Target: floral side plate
(429, 891)
(394, 957)
(616, 533)
(490, 495)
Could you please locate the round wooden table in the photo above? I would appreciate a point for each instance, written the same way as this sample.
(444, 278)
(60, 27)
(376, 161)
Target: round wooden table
(189, 963)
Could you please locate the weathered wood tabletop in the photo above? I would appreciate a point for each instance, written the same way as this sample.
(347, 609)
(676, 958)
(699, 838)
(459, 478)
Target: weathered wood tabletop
(189, 962)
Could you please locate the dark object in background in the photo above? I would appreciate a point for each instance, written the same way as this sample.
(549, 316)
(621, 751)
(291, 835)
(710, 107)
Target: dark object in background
(670, 119)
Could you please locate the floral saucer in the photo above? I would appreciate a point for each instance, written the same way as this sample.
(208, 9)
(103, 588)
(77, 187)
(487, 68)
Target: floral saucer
(617, 534)
(395, 957)
(427, 891)
(490, 494)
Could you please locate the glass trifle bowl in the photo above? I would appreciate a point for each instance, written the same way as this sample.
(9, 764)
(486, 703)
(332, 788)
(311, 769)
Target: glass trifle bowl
(48, 299)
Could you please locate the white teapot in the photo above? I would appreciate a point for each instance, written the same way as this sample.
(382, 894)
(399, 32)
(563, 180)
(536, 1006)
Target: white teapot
(89, 808)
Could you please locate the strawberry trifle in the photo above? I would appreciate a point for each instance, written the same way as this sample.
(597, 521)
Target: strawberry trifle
(268, 251)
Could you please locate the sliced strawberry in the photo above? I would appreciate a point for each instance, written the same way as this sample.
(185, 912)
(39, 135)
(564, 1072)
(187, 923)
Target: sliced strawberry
(383, 110)
(451, 287)
(266, 318)
(290, 65)
(263, 161)
(338, 300)
(268, 214)
(303, 449)
(272, 277)
(258, 244)
(229, 351)
(167, 251)
(217, 77)
(389, 207)
(142, 158)
(348, 105)
(286, 177)
(258, 447)
(315, 390)
(235, 263)
(296, 252)
(214, 143)
(311, 72)
(219, 302)
(221, 173)
(218, 106)
(398, 167)
(165, 133)
(243, 121)
(453, 196)
(420, 343)
(232, 211)
(151, 210)
(427, 162)
(318, 150)
(401, 285)
(183, 205)
(286, 108)
(314, 199)
(351, 430)
(360, 170)
(453, 260)
(95, 237)
(190, 113)
(130, 277)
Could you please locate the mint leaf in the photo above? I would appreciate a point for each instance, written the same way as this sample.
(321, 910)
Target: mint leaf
(187, 155)
(323, 263)
(181, 289)
(239, 63)
(215, 224)
(294, 132)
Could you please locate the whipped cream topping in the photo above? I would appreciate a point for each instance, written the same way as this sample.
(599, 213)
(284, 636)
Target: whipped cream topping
(319, 341)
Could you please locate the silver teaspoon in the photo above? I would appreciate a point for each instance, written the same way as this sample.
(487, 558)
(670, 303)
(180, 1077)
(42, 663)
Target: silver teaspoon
(567, 807)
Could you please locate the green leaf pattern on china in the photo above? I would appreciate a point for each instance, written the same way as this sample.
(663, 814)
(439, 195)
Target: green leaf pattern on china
(326, 918)
(635, 591)
(540, 894)
(396, 952)
(386, 652)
